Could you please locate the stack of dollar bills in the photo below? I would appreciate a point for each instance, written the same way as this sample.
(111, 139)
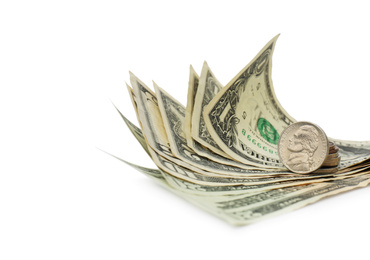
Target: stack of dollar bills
(220, 152)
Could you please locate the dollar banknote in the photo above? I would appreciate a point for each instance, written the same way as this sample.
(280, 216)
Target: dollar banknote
(150, 117)
(208, 87)
(192, 91)
(352, 152)
(192, 143)
(135, 131)
(245, 118)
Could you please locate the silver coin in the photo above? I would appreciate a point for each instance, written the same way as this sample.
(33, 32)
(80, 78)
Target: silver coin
(332, 156)
(332, 162)
(303, 147)
(326, 170)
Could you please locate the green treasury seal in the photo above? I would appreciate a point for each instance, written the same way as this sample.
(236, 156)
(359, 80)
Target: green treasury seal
(267, 131)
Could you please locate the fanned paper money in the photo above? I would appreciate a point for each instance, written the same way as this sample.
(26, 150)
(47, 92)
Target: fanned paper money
(220, 152)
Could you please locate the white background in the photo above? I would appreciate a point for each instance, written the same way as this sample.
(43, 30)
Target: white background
(63, 62)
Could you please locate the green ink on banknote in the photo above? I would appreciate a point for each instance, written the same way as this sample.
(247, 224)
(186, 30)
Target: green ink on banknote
(267, 131)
